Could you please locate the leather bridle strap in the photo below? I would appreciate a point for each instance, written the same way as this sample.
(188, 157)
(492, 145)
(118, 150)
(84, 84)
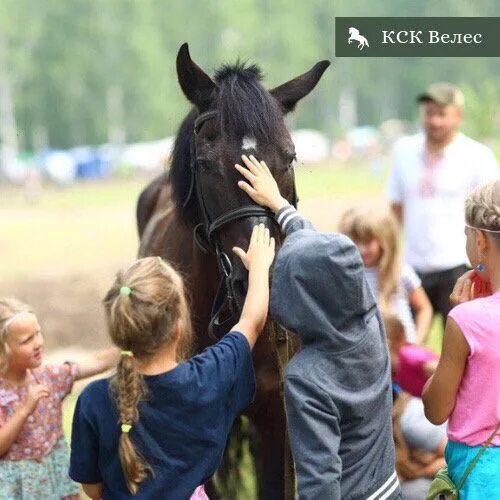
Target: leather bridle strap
(203, 118)
(233, 215)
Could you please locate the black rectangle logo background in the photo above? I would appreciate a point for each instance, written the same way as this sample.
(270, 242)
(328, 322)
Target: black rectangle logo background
(372, 29)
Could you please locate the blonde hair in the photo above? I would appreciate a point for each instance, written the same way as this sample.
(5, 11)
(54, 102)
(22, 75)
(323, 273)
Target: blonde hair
(367, 223)
(394, 328)
(143, 308)
(9, 307)
(482, 208)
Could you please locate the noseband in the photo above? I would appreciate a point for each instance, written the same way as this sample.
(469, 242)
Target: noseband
(206, 236)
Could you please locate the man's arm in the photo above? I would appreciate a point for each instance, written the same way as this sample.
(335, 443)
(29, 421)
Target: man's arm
(395, 190)
(487, 168)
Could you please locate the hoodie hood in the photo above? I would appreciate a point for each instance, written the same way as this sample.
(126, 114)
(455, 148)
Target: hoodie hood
(319, 289)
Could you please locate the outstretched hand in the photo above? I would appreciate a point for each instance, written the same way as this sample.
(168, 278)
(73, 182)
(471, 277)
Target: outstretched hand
(257, 259)
(260, 253)
(261, 185)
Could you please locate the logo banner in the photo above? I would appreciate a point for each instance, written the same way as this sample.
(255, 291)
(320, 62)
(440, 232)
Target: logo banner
(417, 36)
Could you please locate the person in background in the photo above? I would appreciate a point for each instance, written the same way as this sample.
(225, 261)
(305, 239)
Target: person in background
(465, 388)
(395, 285)
(411, 365)
(432, 174)
(34, 457)
(419, 446)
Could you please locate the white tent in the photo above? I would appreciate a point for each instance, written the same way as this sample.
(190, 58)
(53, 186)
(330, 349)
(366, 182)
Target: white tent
(310, 145)
(147, 155)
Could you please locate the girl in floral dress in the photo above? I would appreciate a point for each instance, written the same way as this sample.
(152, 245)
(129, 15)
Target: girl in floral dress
(34, 457)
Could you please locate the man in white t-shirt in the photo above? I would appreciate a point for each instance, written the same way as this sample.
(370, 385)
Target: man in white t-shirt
(432, 173)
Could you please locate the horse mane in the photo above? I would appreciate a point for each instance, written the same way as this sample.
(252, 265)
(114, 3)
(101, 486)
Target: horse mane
(245, 108)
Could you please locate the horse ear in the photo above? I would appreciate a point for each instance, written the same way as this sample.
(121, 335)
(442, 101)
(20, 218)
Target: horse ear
(291, 92)
(197, 86)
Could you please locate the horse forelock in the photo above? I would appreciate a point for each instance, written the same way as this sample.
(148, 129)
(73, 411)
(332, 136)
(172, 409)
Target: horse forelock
(245, 107)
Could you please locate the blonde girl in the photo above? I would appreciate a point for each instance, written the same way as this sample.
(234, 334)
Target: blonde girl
(395, 285)
(34, 457)
(465, 389)
(158, 428)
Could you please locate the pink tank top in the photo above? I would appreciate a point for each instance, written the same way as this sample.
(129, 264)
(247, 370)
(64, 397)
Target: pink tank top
(477, 407)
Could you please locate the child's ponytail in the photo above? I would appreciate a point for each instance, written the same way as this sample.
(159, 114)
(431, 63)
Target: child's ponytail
(129, 388)
(145, 308)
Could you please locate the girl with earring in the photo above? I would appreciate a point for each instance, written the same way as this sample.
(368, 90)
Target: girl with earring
(465, 389)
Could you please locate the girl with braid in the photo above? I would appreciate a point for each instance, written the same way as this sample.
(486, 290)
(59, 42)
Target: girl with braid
(158, 428)
(465, 389)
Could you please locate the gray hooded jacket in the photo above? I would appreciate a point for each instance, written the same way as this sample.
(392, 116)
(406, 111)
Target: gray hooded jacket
(338, 387)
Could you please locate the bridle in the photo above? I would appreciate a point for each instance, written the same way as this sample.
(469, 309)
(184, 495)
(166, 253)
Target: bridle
(206, 235)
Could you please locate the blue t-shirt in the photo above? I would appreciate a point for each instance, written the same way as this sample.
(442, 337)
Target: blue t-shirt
(182, 429)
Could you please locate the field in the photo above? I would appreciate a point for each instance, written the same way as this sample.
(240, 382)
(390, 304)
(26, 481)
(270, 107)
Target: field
(60, 253)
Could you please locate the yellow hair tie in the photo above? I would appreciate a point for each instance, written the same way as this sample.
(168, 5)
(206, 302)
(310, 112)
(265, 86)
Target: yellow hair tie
(127, 353)
(126, 428)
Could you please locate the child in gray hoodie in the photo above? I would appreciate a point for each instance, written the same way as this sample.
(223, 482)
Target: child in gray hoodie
(338, 392)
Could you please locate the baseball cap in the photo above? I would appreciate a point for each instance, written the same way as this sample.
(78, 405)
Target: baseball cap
(443, 94)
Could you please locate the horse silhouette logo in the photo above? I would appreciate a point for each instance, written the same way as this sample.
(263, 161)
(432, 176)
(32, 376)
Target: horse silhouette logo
(354, 35)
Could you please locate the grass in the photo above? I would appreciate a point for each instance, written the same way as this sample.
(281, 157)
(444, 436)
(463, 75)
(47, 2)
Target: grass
(338, 179)
(107, 193)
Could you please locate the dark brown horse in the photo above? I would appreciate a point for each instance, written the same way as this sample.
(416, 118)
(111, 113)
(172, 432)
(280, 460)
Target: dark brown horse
(194, 214)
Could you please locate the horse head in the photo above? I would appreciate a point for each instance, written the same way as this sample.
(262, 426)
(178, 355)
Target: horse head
(233, 114)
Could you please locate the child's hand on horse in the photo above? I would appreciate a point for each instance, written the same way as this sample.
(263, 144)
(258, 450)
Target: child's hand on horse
(262, 188)
(260, 253)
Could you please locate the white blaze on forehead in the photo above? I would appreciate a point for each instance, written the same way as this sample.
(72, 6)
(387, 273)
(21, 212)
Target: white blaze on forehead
(249, 143)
